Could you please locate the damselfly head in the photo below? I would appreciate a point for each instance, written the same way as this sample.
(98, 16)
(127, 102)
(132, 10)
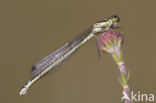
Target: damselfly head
(115, 18)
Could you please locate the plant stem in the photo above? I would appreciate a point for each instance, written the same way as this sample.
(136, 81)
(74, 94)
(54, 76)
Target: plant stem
(124, 75)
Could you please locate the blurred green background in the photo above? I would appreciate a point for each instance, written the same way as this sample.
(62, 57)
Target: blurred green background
(32, 29)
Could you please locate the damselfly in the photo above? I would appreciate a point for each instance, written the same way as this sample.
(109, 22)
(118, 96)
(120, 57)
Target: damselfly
(54, 59)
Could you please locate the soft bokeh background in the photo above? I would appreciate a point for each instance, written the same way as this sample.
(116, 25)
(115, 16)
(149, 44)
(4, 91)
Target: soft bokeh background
(32, 29)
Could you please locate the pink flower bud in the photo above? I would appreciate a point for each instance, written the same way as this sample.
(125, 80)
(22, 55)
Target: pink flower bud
(110, 41)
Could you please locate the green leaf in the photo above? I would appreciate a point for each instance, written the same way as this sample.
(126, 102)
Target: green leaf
(124, 80)
(120, 81)
(128, 76)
